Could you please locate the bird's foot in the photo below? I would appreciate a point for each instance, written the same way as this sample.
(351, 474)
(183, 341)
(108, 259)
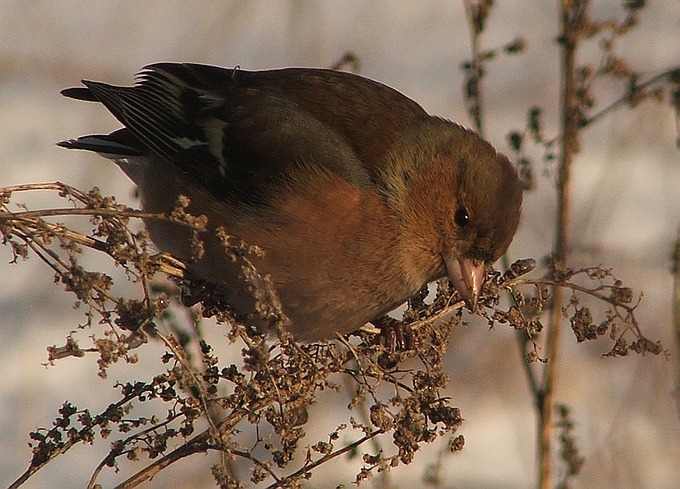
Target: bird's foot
(395, 335)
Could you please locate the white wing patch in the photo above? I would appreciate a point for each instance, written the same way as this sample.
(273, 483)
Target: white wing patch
(186, 143)
(214, 135)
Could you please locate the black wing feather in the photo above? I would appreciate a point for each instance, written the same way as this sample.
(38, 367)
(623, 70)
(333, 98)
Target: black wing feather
(240, 132)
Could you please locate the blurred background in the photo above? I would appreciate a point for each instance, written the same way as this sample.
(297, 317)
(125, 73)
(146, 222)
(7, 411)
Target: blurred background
(626, 215)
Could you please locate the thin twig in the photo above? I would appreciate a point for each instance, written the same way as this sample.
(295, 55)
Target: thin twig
(206, 440)
(325, 458)
(676, 316)
(627, 97)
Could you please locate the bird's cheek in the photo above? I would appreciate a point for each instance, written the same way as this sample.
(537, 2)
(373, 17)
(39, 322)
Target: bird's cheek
(467, 276)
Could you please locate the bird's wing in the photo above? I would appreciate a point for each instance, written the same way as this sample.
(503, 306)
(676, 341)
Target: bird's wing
(237, 132)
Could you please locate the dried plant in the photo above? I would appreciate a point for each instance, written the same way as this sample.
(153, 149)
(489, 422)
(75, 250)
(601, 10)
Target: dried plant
(202, 403)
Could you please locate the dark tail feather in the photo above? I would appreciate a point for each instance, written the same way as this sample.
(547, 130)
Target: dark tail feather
(118, 143)
(79, 93)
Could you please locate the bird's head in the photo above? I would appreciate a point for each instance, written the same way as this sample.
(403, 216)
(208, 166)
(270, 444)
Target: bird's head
(458, 203)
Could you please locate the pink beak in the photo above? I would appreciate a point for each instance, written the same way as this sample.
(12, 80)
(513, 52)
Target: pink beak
(467, 275)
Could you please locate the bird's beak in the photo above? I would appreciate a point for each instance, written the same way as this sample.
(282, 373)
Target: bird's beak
(467, 275)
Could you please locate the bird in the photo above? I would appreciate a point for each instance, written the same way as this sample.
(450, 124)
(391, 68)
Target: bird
(354, 194)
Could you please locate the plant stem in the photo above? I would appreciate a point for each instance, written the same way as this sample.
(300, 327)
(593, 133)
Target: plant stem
(676, 316)
(571, 16)
(473, 87)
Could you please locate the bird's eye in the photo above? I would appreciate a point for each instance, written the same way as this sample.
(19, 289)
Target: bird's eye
(461, 217)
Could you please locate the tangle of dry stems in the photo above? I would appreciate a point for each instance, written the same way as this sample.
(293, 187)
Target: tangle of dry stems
(269, 387)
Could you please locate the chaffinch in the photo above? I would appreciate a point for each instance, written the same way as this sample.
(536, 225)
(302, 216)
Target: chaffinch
(355, 194)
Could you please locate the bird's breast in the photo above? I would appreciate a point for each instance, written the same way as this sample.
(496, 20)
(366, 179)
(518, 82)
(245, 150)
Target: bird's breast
(330, 249)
